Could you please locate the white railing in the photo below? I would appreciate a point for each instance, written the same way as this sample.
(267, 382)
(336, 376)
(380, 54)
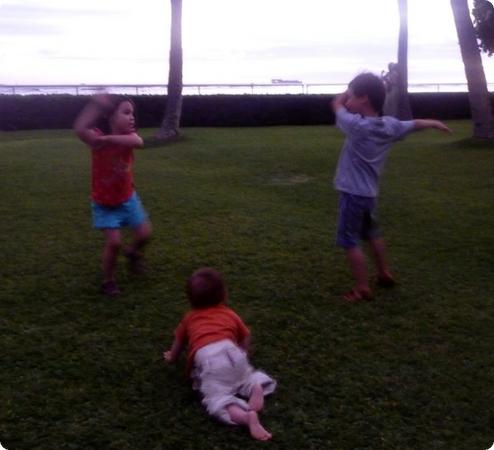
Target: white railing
(211, 89)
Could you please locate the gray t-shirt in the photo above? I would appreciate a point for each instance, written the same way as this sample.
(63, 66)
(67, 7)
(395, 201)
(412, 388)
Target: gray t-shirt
(362, 159)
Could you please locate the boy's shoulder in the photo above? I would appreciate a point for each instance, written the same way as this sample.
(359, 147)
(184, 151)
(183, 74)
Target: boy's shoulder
(396, 127)
(379, 128)
(386, 127)
(354, 122)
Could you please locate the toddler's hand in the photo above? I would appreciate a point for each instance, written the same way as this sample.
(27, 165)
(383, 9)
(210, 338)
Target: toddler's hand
(104, 101)
(168, 356)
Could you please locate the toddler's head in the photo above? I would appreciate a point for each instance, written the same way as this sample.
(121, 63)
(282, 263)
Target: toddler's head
(115, 109)
(206, 287)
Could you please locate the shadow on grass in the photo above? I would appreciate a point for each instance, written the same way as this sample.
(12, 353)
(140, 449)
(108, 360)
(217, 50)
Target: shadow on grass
(472, 143)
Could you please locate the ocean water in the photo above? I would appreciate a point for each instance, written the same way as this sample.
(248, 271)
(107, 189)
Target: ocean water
(214, 89)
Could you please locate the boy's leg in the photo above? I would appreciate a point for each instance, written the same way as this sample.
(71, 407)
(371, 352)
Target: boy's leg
(351, 218)
(378, 248)
(249, 419)
(358, 267)
(384, 276)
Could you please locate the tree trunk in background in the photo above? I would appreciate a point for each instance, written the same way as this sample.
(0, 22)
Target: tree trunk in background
(404, 112)
(478, 94)
(171, 122)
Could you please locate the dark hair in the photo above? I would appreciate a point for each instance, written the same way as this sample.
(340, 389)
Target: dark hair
(205, 287)
(371, 85)
(103, 123)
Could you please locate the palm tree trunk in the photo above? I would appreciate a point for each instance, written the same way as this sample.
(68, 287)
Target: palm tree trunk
(404, 111)
(478, 94)
(171, 121)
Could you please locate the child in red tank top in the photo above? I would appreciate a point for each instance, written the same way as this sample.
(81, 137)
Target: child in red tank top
(115, 203)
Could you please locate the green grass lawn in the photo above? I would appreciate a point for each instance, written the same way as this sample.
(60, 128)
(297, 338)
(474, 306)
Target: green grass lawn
(412, 370)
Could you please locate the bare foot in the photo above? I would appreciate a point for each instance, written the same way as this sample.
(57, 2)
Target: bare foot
(257, 431)
(357, 295)
(256, 400)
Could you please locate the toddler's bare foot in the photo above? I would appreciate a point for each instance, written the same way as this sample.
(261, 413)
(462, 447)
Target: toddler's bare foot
(256, 400)
(357, 295)
(257, 431)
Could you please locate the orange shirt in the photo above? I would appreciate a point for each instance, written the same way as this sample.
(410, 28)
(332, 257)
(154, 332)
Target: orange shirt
(112, 174)
(201, 327)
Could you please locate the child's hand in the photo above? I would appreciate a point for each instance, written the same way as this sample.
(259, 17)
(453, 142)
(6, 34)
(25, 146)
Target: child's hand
(442, 127)
(103, 101)
(168, 356)
(344, 97)
(339, 101)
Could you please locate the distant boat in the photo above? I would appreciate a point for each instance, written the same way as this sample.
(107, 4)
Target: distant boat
(280, 81)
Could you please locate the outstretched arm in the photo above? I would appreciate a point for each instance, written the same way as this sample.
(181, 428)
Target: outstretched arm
(423, 124)
(172, 355)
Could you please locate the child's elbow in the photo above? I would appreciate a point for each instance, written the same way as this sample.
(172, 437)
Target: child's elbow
(138, 141)
(84, 134)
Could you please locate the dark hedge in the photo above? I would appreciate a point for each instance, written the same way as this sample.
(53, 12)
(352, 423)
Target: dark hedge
(59, 111)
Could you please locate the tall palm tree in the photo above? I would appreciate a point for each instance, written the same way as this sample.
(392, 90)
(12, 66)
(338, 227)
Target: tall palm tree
(404, 111)
(171, 121)
(478, 94)
(397, 102)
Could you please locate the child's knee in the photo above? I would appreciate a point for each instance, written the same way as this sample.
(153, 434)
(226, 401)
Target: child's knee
(114, 243)
(143, 232)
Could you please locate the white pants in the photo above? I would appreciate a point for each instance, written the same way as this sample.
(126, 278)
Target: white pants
(221, 372)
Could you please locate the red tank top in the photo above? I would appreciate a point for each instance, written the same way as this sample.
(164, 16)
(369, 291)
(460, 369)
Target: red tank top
(112, 174)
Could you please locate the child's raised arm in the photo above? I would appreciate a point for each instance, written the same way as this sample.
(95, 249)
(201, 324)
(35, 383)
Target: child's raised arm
(172, 355)
(339, 101)
(99, 106)
(422, 124)
(85, 121)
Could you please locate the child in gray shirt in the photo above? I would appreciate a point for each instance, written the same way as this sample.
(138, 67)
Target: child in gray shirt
(368, 140)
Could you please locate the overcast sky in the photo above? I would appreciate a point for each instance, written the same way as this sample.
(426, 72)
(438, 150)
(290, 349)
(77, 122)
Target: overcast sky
(224, 41)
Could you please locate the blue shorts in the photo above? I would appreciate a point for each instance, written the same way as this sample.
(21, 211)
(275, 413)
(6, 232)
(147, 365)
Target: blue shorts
(130, 213)
(356, 220)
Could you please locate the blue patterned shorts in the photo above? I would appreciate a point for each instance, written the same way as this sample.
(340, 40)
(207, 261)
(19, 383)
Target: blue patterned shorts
(130, 213)
(356, 220)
